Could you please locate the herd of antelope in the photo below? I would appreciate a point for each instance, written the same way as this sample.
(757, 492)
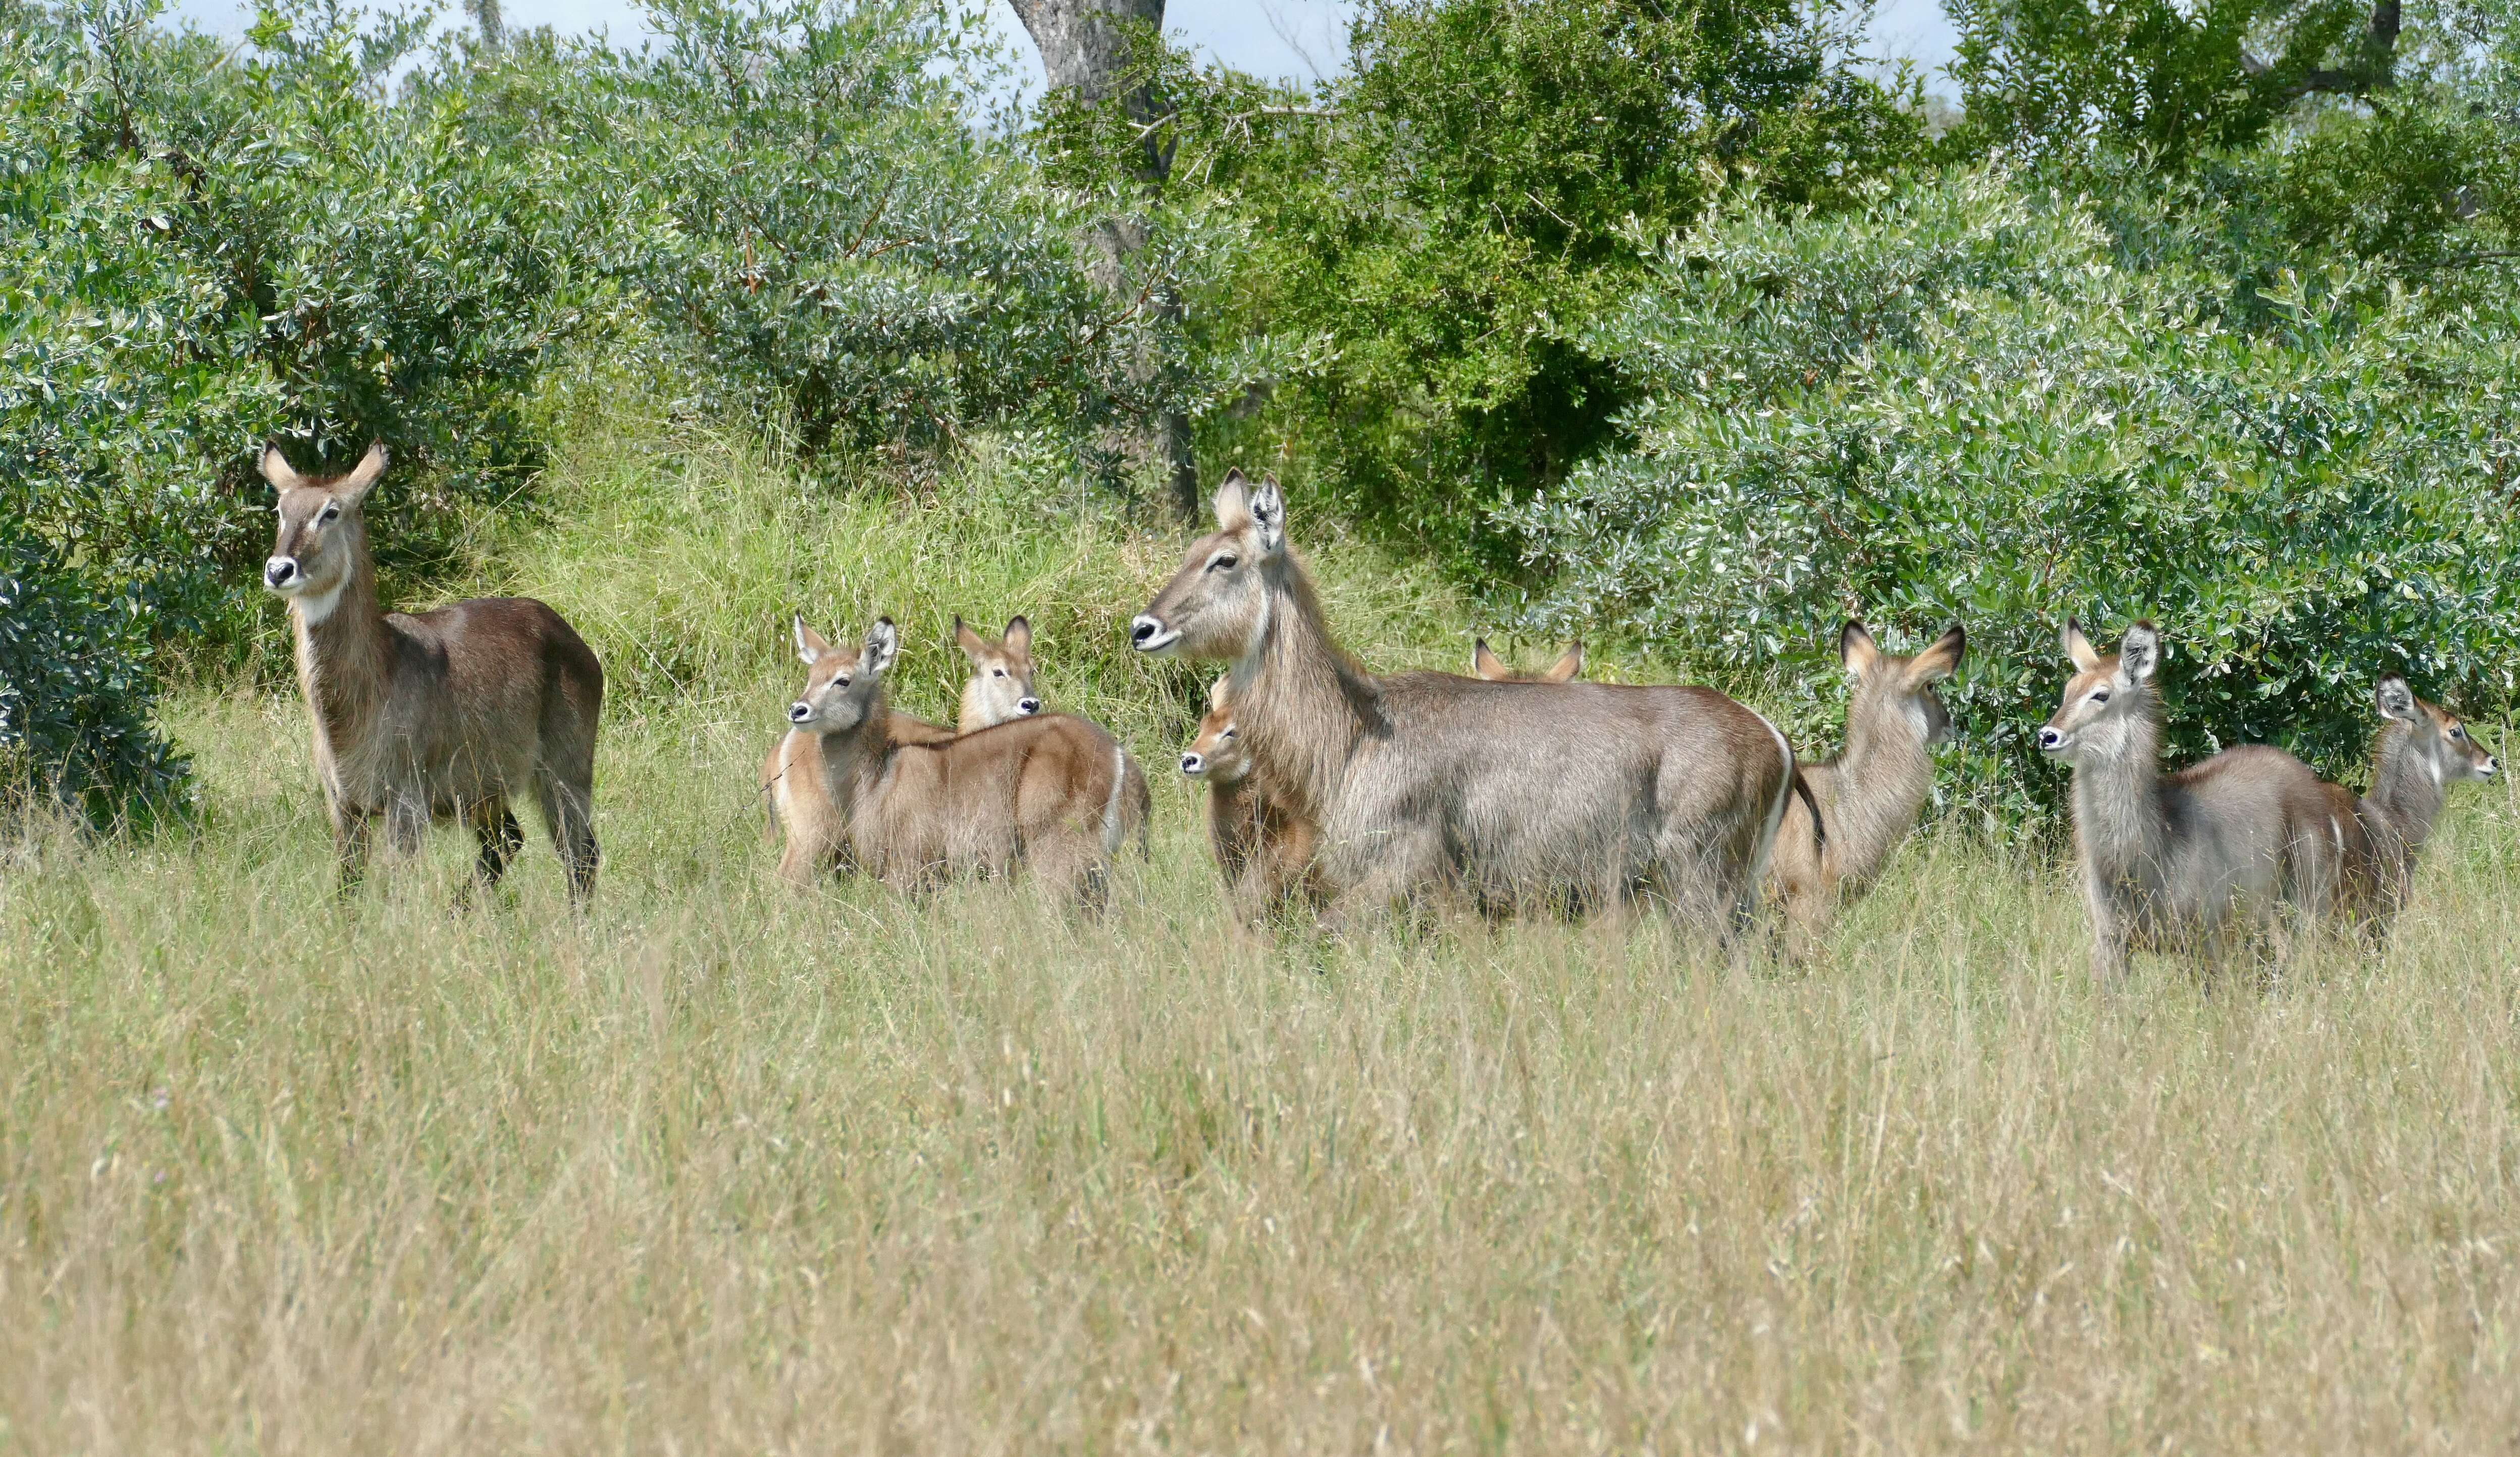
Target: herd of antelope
(1338, 792)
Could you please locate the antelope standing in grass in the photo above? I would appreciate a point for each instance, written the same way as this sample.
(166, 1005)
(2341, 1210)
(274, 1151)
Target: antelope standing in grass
(1052, 793)
(2199, 860)
(448, 714)
(2420, 752)
(1581, 794)
(1484, 664)
(1263, 850)
(1863, 802)
(999, 689)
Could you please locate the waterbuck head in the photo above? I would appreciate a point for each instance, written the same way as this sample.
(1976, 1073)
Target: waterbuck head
(2429, 737)
(1216, 754)
(1886, 686)
(1217, 606)
(1484, 664)
(1000, 685)
(842, 689)
(321, 533)
(2108, 697)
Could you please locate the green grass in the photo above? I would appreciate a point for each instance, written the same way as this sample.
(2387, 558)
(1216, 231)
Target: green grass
(720, 1167)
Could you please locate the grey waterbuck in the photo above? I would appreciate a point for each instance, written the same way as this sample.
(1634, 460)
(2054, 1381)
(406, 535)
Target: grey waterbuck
(1863, 802)
(1513, 793)
(2199, 860)
(1263, 850)
(2420, 753)
(1052, 793)
(1484, 664)
(444, 714)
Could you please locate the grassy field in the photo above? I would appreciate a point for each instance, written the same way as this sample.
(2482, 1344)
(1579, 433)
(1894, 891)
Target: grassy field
(723, 1168)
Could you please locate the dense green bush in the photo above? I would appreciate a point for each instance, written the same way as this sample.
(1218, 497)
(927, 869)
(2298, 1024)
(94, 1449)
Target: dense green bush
(75, 692)
(1959, 404)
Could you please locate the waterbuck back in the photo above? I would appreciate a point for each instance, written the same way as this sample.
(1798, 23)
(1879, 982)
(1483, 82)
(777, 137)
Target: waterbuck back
(2420, 753)
(1580, 795)
(448, 714)
(2201, 860)
(1052, 792)
(1869, 796)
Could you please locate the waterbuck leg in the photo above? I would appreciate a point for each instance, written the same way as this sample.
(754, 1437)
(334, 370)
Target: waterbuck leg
(568, 813)
(352, 832)
(495, 825)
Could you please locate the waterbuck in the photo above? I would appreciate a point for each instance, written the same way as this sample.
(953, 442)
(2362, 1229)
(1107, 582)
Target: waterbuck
(1262, 849)
(444, 714)
(1863, 802)
(1052, 793)
(2420, 753)
(2202, 860)
(1484, 664)
(1515, 793)
(999, 689)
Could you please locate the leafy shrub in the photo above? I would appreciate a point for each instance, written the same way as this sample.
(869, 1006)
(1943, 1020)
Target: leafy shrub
(1957, 404)
(76, 691)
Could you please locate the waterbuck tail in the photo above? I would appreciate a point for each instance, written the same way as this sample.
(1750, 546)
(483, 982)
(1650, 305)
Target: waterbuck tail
(1820, 827)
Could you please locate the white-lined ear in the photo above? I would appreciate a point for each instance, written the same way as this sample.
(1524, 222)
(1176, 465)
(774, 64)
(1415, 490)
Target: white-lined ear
(2078, 646)
(1018, 637)
(276, 470)
(882, 645)
(1857, 649)
(2140, 652)
(1218, 692)
(1569, 665)
(971, 643)
(1940, 661)
(1484, 664)
(364, 475)
(810, 646)
(1234, 502)
(2396, 699)
(1268, 517)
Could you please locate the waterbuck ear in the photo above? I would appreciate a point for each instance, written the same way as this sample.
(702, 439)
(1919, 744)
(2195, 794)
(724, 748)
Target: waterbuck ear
(364, 475)
(1268, 517)
(2139, 651)
(2396, 699)
(882, 644)
(1568, 666)
(1218, 692)
(1018, 637)
(2078, 646)
(276, 470)
(971, 643)
(1857, 649)
(1484, 664)
(1234, 502)
(810, 645)
(1940, 661)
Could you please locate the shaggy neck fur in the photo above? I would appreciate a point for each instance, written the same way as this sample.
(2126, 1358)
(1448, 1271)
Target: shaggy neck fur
(2406, 785)
(2117, 793)
(1883, 776)
(1299, 703)
(854, 759)
(343, 652)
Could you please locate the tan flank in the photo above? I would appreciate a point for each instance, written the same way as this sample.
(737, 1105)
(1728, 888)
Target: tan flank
(2420, 753)
(1484, 664)
(1869, 796)
(1052, 792)
(449, 715)
(2201, 860)
(1581, 795)
(1263, 850)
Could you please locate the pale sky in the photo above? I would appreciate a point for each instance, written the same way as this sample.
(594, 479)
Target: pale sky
(1298, 38)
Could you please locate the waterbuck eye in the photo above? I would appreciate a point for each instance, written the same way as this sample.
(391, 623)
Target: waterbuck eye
(2101, 697)
(329, 512)
(2458, 731)
(1223, 562)
(843, 681)
(997, 672)
(1227, 734)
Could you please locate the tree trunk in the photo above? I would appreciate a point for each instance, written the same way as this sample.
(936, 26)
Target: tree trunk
(1083, 49)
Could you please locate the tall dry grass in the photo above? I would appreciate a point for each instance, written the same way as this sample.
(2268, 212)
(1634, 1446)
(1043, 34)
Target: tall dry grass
(720, 1169)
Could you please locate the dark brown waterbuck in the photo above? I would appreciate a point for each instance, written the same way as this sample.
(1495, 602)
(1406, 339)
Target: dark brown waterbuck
(1866, 798)
(2420, 753)
(1579, 794)
(2201, 860)
(450, 715)
(1051, 793)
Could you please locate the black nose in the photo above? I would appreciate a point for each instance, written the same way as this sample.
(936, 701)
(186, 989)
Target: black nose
(1143, 630)
(800, 711)
(2048, 738)
(1191, 763)
(279, 571)
(1028, 706)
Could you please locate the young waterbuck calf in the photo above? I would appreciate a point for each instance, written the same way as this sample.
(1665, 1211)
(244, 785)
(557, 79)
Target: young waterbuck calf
(2420, 752)
(1052, 793)
(1484, 664)
(444, 714)
(2199, 860)
(1513, 793)
(1869, 796)
(1262, 849)
(999, 687)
